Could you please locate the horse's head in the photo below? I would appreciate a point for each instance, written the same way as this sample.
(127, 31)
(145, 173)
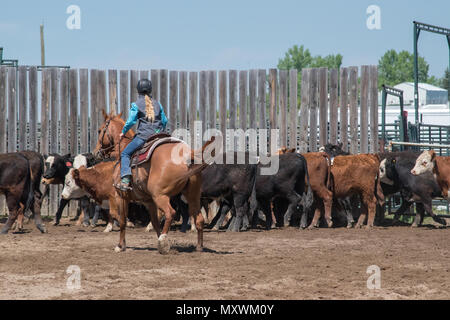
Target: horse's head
(108, 135)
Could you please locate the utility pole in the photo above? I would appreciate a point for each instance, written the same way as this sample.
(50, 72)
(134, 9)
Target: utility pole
(42, 46)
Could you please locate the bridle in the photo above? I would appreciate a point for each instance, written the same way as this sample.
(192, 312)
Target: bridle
(102, 152)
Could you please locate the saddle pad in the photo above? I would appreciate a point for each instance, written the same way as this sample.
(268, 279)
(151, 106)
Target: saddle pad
(144, 155)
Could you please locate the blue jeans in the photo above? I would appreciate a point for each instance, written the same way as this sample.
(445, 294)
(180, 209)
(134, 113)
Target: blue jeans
(125, 169)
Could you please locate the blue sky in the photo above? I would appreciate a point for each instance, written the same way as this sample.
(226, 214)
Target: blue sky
(212, 34)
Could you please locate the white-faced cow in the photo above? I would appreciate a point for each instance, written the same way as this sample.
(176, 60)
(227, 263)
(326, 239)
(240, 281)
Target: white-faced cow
(429, 162)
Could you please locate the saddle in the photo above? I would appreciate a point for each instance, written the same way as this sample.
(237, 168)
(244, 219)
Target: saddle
(144, 154)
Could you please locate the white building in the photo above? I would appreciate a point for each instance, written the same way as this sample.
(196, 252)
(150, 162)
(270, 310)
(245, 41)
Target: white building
(428, 95)
(433, 104)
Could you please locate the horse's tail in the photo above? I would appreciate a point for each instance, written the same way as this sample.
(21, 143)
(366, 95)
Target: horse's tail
(193, 168)
(194, 153)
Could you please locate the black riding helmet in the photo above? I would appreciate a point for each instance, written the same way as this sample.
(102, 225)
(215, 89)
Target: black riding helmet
(144, 86)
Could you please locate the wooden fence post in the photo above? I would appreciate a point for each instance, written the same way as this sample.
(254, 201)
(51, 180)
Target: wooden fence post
(323, 106)
(12, 111)
(164, 90)
(343, 134)
(134, 78)
(23, 110)
(124, 96)
(374, 146)
(155, 84)
(84, 110)
(173, 101)
(262, 123)
(55, 110)
(223, 106)
(232, 87)
(33, 105)
(304, 110)
(183, 99)
(273, 87)
(94, 111)
(313, 110)
(212, 98)
(193, 98)
(101, 97)
(3, 110)
(364, 111)
(334, 106)
(353, 110)
(203, 98)
(3, 119)
(293, 111)
(283, 107)
(112, 90)
(73, 119)
(64, 112)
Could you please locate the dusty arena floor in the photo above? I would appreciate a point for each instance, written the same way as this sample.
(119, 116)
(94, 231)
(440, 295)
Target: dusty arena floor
(277, 264)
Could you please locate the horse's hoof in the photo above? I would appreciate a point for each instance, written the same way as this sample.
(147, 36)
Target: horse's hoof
(330, 224)
(414, 225)
(55, 223)
(85, 225)
(42, 228)
(130, 224)
(163, 244)
(119, 249)
(199, 249)
(108, 228)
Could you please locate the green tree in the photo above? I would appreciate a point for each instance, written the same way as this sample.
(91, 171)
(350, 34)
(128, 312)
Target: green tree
(298, 58)
(395, 68)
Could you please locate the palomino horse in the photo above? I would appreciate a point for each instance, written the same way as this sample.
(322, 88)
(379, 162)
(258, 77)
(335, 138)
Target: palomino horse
(155, 181)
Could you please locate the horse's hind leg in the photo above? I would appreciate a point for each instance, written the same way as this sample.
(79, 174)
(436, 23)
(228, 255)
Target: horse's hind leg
(193, 197)
(163, 203)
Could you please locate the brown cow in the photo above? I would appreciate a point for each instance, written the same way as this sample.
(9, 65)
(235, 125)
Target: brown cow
(358, 175)
(439, 166)
(98, 182)
(319, 179)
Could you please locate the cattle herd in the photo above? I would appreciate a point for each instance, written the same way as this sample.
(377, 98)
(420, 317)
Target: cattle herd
(330, 188)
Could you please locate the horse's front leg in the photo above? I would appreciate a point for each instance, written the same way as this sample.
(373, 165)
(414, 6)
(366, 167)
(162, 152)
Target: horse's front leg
(119, 210)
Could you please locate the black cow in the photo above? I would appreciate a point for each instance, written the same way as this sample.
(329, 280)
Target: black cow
(231, 184)
(395, 173)
(20, 174)
(57, 167)
(288, 183)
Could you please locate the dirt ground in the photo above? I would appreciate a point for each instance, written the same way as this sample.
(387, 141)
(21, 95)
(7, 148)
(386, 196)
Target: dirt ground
(277, 264)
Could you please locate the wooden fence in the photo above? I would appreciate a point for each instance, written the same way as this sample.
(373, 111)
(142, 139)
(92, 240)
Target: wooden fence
(52, 110)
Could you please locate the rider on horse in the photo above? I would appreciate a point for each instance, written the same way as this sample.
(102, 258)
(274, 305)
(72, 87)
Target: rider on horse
(150, 118)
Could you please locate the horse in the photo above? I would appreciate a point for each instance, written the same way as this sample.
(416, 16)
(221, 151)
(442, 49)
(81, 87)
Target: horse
(155, 181)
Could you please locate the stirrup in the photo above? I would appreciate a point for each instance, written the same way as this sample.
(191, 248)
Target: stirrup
(122, 187)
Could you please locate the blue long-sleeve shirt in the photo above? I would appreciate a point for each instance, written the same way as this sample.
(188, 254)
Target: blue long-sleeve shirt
(133, 117)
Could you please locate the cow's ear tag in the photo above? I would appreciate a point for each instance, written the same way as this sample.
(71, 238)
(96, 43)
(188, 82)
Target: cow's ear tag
(69, 164)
